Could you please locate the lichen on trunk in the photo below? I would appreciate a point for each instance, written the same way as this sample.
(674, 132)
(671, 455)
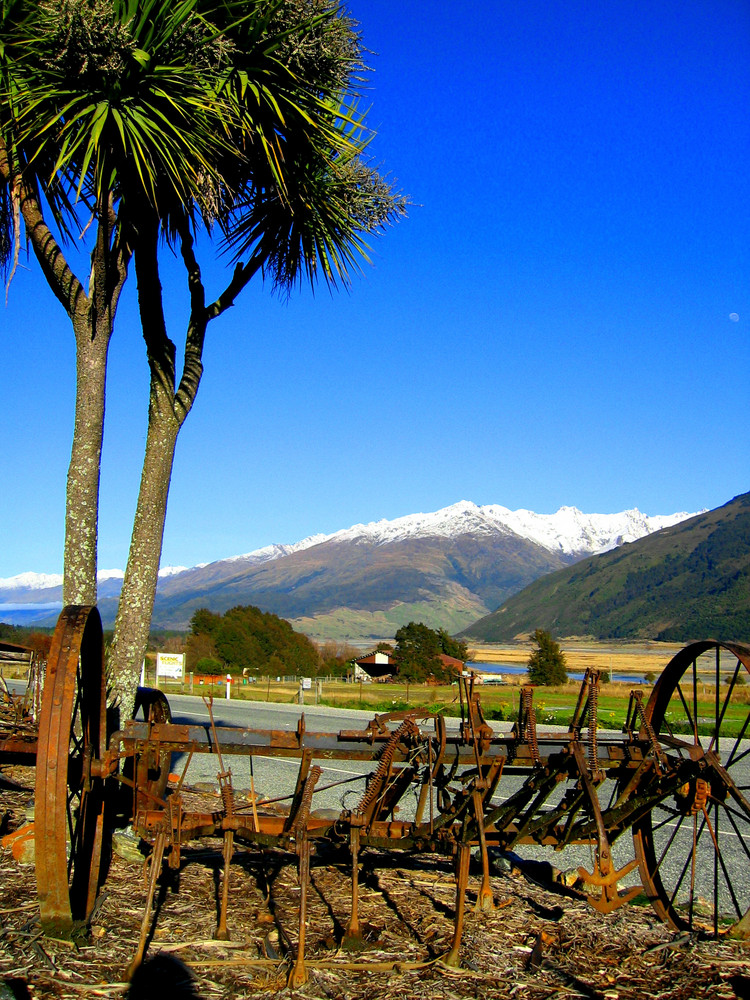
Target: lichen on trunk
(133, 621)
(82, 494)
(169, 405)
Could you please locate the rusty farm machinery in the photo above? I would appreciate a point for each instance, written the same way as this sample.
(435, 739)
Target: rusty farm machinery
(677, 781)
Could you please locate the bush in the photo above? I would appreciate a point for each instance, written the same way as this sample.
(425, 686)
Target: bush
(740, 680)
(206, 665)
(546, 663)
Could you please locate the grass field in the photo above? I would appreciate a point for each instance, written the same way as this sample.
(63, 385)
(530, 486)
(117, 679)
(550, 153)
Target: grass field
(554, 705)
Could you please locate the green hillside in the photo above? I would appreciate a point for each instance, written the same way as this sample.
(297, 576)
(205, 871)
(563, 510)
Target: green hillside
(342, 589)
(686, 582)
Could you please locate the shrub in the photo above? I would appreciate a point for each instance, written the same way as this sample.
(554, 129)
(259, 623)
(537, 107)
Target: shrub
(546, 663)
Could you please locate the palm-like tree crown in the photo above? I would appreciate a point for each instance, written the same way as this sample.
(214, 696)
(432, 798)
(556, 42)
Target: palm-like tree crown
(240, 113)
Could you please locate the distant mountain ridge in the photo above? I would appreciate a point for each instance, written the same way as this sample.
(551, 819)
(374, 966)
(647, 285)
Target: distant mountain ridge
(448, 567)
(688, 581)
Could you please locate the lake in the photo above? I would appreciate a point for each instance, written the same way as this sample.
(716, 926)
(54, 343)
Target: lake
(520, 668)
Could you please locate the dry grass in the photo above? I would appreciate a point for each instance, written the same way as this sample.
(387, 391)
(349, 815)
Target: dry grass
(537, 944)
(639, 659)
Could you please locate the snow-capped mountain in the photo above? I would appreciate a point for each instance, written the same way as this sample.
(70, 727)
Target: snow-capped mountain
(48, 581)
(569, 530)
(450, 566)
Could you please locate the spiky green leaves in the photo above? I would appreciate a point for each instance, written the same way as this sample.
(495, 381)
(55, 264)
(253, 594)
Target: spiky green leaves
(236, 112)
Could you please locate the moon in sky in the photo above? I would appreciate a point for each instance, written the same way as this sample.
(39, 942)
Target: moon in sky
(734, 317)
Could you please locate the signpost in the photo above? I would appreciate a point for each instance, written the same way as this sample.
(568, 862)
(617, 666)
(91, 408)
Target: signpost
(170, 666)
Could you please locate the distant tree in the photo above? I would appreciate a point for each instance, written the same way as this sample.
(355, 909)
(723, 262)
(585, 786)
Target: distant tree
(453, 647)
(204, 622)
(418, 650)
(546, 663)
(246, 638)
(275, 666)
(207, 665)
(336, 657)
(199, 646)
(166, 642)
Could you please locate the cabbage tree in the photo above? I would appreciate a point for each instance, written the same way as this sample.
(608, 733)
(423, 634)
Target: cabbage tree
(148, 122)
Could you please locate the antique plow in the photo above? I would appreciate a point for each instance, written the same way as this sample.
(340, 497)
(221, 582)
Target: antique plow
(678, 781)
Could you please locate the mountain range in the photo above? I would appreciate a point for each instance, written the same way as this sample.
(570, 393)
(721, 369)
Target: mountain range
(689, 581)
(448, 568)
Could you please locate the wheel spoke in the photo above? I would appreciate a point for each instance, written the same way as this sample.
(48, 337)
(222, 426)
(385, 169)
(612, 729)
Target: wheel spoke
(695, 700)
(689, 863)
(668, 844)
(719, 860)
(676, 738)
(720, 718)
(672, 814)
(717, 857)
(693, 724)
(739, 836)
(717, 686)
(613, 796)
(731, 811)
(738, 740)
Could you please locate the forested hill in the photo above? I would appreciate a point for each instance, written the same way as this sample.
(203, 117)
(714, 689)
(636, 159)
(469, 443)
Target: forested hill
(688, 581)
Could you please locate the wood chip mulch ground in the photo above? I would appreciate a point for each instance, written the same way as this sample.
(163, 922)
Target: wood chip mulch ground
(535, 944)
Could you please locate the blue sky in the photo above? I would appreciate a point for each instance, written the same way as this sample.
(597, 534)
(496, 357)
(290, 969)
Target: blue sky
(551, 325)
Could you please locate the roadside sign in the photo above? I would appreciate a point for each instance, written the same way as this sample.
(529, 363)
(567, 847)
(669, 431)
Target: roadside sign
(170, 665)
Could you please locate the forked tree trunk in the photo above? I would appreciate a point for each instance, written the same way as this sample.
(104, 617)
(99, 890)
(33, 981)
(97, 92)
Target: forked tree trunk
(168, 408)
(141, 576)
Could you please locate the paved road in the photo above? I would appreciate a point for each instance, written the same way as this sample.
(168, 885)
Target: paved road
(276, 776)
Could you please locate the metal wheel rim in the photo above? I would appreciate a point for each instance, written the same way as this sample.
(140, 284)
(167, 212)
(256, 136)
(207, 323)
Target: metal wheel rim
(153, 775)
(68, 807)
(685, 857)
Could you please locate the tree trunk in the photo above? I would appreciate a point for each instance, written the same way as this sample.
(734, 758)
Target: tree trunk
(168, 408)
(82, 496)
(141, 576)
(93, 318)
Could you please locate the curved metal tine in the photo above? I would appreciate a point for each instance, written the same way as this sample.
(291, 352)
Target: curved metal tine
(462, 879)
(157, 856)
(353, 933)
(689, 861)
(208, 700)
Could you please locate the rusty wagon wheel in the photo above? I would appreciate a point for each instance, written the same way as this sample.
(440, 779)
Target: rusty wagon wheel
(693, 848)
(151, 775)
(69, 810)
